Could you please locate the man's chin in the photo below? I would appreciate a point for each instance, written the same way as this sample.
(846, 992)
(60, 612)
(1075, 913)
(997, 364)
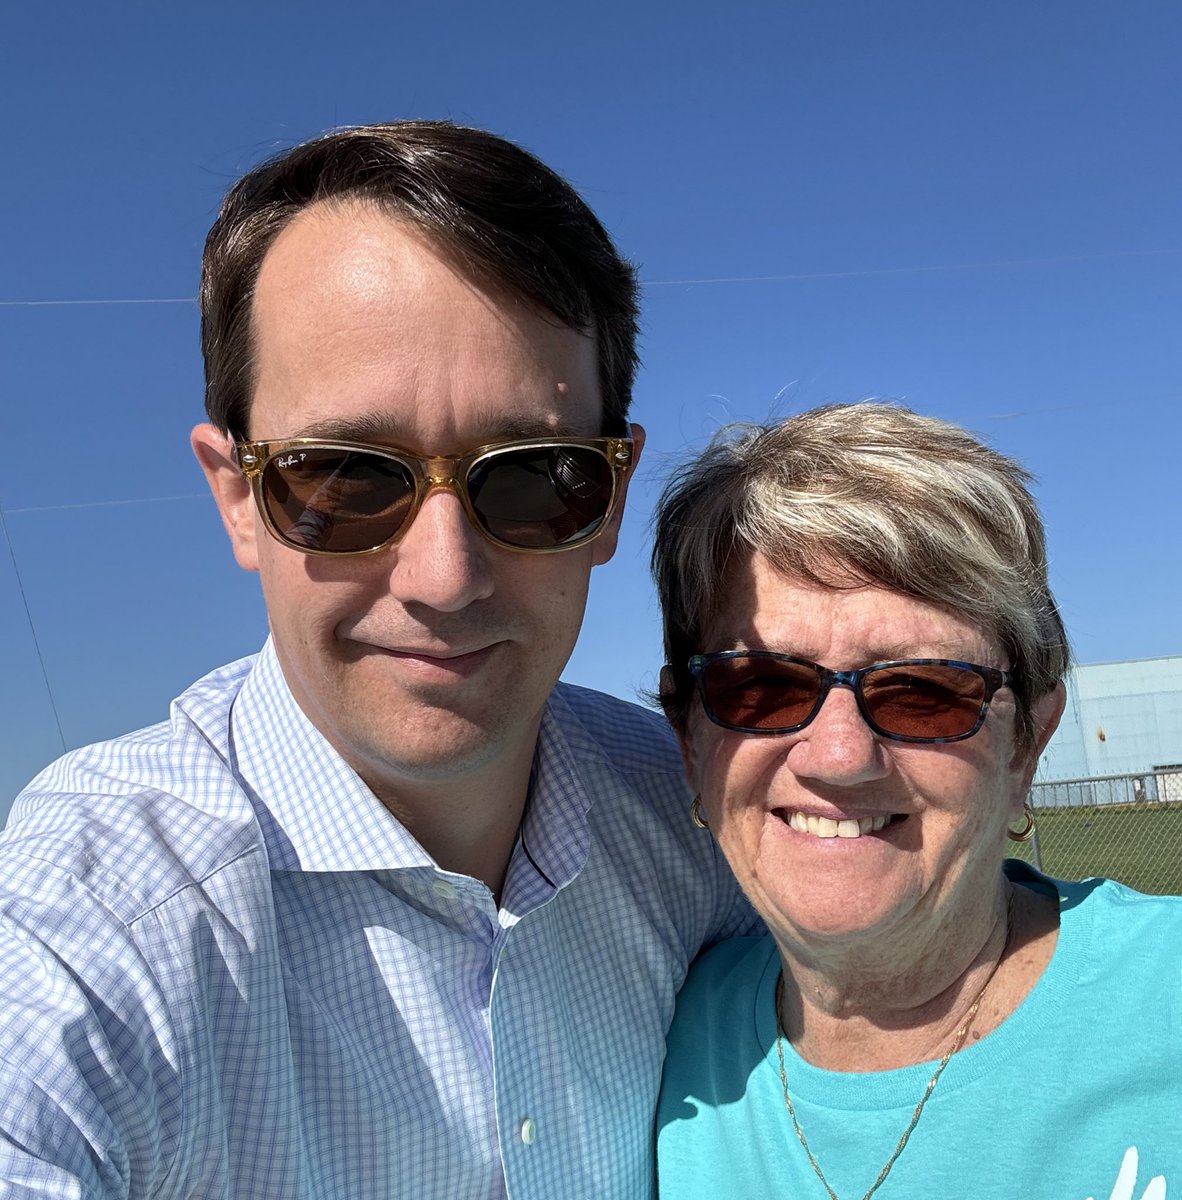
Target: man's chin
(433, 745)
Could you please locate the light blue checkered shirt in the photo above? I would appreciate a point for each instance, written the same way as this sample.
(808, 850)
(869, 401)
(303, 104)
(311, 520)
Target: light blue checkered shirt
(226, 970)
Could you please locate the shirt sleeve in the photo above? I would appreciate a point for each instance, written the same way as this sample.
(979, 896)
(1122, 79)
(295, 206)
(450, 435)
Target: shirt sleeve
(89, 1074)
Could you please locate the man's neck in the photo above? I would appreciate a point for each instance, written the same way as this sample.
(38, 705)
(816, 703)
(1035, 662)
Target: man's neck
(467, 823)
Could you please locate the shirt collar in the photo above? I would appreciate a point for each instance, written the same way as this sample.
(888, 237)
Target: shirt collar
(555, 831)
(316, 813)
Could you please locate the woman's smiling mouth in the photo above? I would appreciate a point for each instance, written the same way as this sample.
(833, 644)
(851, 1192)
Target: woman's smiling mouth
(828, 827)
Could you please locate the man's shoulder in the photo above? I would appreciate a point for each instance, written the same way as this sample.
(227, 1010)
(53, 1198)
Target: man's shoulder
(627, 735)
(137, 817)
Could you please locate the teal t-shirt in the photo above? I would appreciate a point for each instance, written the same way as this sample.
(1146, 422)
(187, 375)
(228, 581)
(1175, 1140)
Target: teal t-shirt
(1077, 1095)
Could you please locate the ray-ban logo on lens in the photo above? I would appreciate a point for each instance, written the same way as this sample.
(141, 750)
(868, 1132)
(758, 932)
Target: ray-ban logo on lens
(290, 460)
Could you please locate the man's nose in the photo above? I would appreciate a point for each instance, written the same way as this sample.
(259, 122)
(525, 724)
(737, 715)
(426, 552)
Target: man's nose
(441, 561)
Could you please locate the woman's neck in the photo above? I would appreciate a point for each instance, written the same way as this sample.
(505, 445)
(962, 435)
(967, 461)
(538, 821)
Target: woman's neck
(893, 1002)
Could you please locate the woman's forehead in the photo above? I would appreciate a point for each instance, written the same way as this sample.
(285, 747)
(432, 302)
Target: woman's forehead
(765, 607)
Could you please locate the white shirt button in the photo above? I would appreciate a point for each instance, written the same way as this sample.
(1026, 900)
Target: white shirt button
(528, 1131)
(443, 889)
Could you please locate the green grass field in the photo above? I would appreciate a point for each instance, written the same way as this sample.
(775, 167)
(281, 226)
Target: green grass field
(1139, 844)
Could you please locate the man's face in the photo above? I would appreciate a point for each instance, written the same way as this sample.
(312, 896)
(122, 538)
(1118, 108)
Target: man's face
(431, 659)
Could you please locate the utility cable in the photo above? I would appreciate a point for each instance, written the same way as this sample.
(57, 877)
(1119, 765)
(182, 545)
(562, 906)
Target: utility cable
(914, 270)
(800, 277)
(32, 628)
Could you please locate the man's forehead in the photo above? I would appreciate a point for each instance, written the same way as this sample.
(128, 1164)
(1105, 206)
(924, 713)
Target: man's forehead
(344, 259)
(364, 330)
(332, 246)
(354, 233)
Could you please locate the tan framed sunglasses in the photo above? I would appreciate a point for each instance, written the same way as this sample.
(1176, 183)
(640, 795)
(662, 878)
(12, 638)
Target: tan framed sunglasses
(537, 496)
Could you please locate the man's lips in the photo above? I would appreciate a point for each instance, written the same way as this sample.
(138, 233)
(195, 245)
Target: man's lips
(441, 660)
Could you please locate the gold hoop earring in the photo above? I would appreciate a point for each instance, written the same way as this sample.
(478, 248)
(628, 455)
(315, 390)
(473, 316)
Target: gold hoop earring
(696, 813)
(1027, 831)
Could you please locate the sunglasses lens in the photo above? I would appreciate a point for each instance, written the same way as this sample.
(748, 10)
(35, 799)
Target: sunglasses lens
(760, 693)
(340, 501)
(930, 700)
(541, 497)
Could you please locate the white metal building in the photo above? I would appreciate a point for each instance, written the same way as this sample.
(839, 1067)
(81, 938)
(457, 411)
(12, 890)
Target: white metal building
(1121, 718)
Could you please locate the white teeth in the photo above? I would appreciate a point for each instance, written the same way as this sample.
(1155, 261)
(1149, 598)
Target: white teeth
(826, 827)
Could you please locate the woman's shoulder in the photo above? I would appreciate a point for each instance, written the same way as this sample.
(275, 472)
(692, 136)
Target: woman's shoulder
(1112, 938)
(715, 1041)
(1103, 897)
(733, 967)
(1121, 916)
(722, 992)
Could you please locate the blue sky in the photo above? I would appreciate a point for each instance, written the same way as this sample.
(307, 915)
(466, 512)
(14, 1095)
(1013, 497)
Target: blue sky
(970, 208)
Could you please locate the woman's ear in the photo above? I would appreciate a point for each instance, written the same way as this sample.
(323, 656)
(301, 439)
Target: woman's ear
(1045, 715)
(667, 690)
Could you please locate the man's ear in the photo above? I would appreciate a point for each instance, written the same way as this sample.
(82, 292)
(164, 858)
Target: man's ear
(604, 545)
(231, 491)
(1045, 716)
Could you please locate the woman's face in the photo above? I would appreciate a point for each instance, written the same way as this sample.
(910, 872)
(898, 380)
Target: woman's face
(946, 806)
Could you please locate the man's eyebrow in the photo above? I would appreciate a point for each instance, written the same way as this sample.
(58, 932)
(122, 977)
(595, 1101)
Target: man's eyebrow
(380, 429)
(368, 427)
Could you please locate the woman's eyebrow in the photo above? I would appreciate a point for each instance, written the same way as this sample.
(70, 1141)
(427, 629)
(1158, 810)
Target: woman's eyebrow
(889, 651)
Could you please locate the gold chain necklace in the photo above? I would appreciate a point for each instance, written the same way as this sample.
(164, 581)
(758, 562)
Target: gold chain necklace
(958, 1039)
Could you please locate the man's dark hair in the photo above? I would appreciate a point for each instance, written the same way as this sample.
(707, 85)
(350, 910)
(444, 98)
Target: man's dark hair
(505, 215)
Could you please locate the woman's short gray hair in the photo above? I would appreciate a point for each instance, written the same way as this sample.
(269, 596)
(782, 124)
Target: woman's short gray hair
(870, 492)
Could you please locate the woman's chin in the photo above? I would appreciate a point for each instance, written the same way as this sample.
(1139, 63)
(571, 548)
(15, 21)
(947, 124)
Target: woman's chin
(827, 885)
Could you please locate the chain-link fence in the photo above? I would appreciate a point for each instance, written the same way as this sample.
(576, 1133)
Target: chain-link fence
(1126, 827)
